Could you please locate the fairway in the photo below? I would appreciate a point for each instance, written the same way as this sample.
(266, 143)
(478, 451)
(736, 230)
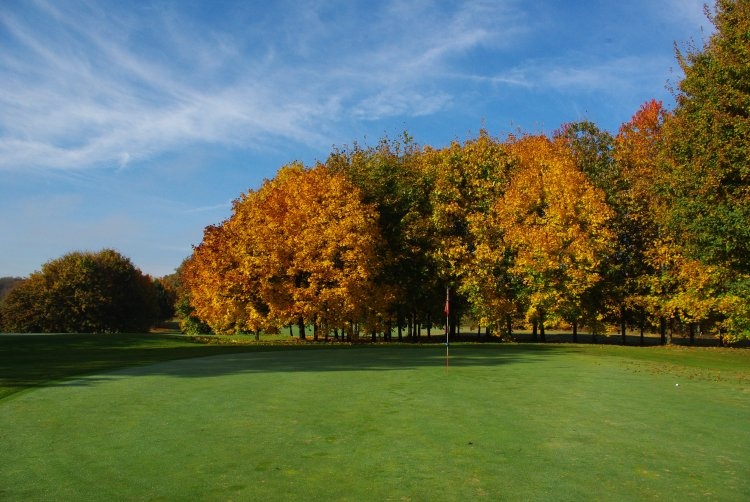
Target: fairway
(549, 422)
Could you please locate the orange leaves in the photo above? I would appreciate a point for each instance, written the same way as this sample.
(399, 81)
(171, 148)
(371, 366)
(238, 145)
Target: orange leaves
(530, 224)
(301, 246)
(555, 222)
(638, 148)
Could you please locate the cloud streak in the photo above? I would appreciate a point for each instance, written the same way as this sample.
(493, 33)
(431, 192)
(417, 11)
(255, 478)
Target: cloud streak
(83, 87)
(98, 85)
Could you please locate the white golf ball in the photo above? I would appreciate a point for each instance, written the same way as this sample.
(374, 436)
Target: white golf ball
(676, 385)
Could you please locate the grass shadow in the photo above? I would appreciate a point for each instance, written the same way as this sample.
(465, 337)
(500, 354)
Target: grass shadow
(28, 361)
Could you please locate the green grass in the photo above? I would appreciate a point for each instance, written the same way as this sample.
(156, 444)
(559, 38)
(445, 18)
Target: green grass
(28, 361)
(516, 421)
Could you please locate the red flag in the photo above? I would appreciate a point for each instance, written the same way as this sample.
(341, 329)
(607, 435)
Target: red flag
(447, 301)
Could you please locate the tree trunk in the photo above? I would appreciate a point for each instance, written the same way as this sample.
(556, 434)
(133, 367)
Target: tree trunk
(509, 325)
(663, 330)
(534, 327)
(479, 333)
(692, 333)
(575, 331)
(623, 328)
(671, 330)
(400, 323)
(642, 323)
(542, 337)
(301, 326)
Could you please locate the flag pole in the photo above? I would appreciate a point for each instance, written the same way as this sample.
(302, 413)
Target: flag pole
(447, 323)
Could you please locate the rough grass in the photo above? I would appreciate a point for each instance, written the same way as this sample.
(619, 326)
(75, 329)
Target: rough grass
(516, 421)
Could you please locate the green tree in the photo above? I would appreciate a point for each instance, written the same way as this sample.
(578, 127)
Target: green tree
(82, 292)
(641, 255)
(707, 147)
(391, 179)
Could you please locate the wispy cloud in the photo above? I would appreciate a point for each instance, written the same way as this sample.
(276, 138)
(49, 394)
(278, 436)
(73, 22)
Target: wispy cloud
(224, 206)
(691, 12)
(97, 84)
(86, 86)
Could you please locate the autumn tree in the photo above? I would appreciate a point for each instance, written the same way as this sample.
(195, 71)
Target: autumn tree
(184, 310)
(468, 178)
(707, 147)
(390, 179)
(642, 248)
(82, 292)
(7, 284)
(217, 291)
(592, 151)
(555, 224)
(301, 249)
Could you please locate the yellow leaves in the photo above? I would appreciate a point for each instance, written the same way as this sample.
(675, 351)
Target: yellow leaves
(684, 287)
(302, 245)
(555, 222)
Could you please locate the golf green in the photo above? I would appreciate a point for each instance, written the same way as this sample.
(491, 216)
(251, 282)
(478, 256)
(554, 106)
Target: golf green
(519, 422)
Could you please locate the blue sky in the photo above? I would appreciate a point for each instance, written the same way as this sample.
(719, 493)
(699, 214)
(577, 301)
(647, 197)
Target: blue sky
(133, 125)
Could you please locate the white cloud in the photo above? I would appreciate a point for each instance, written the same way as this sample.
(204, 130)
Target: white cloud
(224, 206)
(612, 76)
(85, 86)
(85, 92)
(688, 11)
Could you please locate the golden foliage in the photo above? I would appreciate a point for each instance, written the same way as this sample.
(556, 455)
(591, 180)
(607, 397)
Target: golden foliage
(556, 225)
(302, 246)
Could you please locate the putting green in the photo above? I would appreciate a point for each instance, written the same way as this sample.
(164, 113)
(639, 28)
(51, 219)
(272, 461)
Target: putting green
(503, 422)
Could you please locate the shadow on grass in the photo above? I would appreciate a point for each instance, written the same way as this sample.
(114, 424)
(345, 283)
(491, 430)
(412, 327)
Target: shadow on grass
(28, 361)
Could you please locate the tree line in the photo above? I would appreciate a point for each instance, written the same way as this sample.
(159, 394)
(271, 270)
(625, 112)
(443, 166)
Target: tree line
(646, 228)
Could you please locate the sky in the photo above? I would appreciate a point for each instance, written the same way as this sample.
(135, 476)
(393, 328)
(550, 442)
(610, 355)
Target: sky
(134, 125)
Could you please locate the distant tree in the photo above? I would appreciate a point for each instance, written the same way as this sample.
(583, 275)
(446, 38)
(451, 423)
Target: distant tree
(166, 298)
(82, 292)
(8, 283)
